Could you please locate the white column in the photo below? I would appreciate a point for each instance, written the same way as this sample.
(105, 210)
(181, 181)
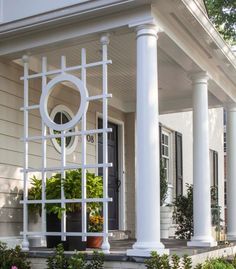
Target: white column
(231, 172)
(201, 167)
(147, 158)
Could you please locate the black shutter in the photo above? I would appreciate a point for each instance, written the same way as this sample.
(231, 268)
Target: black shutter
(160, 133)
(215, 168)
(179, 163)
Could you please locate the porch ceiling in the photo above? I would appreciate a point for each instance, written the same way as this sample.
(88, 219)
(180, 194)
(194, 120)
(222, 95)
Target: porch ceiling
(174, 85)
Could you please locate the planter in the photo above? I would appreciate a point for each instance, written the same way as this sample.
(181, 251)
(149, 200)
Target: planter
(73, 224)
(166, 221)
(94, 241)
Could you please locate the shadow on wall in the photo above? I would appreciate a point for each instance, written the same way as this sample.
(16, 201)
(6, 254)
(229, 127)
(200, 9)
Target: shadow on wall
(11, 216)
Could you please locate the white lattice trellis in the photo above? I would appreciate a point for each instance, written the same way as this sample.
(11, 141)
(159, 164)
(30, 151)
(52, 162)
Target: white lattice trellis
(60, 75)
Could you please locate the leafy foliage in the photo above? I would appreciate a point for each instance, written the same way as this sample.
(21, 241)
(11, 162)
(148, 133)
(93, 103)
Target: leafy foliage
(163, 184)
(72, 190)
(183, 214)
(154, 261)
(217, 264)
(97, 261)
(175, 259)
(77, 261)
(223, 15)
(175, 262)
(187, 262)
(58, 260)
(95, 223)
(13, 258)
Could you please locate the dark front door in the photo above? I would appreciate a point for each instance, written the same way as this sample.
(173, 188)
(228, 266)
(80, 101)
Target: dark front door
(113, 180)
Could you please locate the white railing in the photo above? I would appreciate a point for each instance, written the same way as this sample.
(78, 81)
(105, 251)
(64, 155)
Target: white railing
(61, 75)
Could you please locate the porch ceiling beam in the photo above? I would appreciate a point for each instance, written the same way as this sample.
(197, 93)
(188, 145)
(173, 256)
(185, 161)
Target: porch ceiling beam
(73, 33)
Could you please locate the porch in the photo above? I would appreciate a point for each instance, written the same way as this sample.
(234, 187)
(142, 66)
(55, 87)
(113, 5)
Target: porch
(118, 258)
(158, 68)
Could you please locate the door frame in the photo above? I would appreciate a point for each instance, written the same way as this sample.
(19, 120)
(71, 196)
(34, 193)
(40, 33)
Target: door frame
(121, 167)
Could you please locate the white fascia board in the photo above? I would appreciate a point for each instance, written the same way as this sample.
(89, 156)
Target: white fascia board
(196, 53)
(201, 16)
(69, 14)
(15, 46)
(13, 8)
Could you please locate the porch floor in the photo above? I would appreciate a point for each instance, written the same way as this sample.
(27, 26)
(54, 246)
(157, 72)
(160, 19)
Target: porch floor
(119, 247)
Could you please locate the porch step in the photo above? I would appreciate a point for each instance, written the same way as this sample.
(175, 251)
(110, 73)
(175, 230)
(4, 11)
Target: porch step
(119, 235)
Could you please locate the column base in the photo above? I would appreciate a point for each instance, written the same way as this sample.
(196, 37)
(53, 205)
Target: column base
(144, 249)
(231, 236)
(202, 242)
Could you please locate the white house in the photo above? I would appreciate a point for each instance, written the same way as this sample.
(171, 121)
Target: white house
(117, 80)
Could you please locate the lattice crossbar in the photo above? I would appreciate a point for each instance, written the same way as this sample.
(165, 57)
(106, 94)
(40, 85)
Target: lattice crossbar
(61, 75)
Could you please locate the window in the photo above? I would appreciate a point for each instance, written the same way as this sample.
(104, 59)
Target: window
(60, 115)
(165, 150)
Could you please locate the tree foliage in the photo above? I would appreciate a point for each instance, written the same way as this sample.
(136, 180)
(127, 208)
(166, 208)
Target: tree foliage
(222, 13)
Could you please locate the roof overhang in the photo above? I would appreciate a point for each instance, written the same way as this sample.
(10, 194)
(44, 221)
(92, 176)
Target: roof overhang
(194, 48)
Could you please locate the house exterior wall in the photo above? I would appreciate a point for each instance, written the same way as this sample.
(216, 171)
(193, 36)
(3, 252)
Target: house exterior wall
(182, 122)
(11, 148)
(130, 171)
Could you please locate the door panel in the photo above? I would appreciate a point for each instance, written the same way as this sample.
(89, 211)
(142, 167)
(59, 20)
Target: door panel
(113, 179)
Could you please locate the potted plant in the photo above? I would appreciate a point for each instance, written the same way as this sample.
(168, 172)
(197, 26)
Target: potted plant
(166, 211)
(95, 225)
(72, 190)
(163, 184)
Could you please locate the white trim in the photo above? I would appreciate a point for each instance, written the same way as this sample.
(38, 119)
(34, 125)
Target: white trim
(63, 167)
(1, 11)
(168, 132)
(12, 241)
(74, 139)
(45, 96)
(121, 167)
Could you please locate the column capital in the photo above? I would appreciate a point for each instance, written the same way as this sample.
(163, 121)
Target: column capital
(147, 29)
(231, 107)
(199, 77)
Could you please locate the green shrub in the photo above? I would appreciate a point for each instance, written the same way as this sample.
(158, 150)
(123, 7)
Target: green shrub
(154, 262)
(175, 260)
(58, 260)
(187, 262)
(217, 264)
(183, 214)
(165, 262)
(13, 258)
(77, 261)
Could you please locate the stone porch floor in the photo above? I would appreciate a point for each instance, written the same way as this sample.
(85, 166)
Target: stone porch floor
(179, 247)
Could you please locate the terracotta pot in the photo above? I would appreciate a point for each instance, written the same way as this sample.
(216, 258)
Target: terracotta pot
(94, 241)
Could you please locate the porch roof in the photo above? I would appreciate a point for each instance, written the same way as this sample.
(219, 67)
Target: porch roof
(181, 50)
